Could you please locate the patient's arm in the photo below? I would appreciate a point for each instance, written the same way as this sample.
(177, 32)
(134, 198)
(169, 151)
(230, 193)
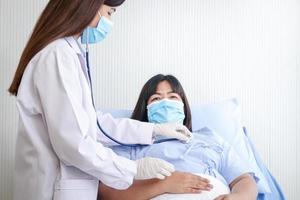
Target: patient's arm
(179, 182)
(242, 188)
(144, 189)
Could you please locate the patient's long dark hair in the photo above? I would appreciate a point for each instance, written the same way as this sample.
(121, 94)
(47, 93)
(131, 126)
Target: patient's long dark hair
(140, 110)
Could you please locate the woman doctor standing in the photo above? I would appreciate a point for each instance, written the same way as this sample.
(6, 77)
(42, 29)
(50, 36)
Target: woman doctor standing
(59, 154)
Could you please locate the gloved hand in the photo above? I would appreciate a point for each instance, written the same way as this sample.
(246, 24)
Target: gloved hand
(173, 130)
(148, 168)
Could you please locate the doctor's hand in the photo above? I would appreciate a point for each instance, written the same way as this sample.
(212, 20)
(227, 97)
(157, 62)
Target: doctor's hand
(173, 130)
(182, 182)
(148, 168)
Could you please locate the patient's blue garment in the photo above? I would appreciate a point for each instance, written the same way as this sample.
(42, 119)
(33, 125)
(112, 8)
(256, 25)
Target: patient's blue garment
(207, 153)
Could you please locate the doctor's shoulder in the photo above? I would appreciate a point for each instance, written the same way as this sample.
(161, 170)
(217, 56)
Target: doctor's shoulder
(55, 53)
(45, 64)
(58, 46)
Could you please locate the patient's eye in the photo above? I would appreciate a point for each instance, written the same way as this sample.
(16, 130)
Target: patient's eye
(175, 97)
(155, 99)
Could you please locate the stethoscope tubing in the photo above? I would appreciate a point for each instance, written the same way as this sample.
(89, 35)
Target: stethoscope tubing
(93, 102)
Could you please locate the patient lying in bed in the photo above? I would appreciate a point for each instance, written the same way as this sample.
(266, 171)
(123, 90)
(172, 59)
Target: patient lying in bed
(162, 100)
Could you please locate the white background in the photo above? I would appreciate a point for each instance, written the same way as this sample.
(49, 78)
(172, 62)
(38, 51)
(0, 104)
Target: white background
(249, 49)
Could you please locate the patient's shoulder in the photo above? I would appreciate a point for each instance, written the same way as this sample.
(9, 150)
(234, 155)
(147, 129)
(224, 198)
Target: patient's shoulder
(210, 136)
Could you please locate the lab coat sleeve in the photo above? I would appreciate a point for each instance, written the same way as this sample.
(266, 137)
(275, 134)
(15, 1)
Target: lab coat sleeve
(125, 130)
(68, 123)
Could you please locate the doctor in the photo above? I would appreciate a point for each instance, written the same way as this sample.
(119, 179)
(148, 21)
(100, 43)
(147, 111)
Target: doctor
(59, 150)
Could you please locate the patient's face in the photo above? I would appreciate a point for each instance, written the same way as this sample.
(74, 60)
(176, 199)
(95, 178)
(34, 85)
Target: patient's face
(164, 91)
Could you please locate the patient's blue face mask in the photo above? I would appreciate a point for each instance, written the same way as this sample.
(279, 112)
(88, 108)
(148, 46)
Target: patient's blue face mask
(166, 111)
(93, 35)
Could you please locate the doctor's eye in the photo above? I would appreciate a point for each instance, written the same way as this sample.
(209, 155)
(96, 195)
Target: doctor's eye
(112, 10)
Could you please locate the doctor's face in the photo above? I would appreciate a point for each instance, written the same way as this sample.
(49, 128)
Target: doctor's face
(164, 91)
(105, 11)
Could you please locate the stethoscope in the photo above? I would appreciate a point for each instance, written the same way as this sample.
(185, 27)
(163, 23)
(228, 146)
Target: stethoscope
(92, 96)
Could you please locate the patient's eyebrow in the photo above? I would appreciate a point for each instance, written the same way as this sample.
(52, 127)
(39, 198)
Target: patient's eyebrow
(170, 92)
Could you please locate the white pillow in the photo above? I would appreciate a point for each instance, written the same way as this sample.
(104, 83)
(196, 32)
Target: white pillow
(219, 188)
(224, 118)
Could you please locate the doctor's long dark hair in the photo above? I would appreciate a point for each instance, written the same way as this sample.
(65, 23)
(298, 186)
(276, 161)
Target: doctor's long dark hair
(60, 18)
(140, 110)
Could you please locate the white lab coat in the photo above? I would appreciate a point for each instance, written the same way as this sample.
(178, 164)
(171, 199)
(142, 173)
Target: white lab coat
(59, 154)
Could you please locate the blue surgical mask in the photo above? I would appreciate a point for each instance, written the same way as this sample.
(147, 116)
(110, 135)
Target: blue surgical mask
(166, 111)
(97, 34)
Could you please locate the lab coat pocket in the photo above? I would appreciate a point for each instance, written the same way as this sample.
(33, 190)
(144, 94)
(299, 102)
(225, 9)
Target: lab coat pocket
(76, 189)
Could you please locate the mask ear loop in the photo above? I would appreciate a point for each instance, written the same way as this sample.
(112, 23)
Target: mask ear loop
(100, 16)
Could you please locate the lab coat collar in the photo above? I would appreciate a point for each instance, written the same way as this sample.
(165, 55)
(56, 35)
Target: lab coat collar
(73, 42)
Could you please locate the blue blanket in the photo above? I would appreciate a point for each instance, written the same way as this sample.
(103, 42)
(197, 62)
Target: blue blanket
(276, 192)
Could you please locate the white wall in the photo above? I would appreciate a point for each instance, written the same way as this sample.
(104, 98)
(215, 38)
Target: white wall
(248, 49)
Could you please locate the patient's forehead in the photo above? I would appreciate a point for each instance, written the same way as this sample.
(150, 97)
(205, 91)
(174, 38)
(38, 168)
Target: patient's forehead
(164, 87)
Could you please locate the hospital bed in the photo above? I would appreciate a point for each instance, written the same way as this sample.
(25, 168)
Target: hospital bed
(224, 117)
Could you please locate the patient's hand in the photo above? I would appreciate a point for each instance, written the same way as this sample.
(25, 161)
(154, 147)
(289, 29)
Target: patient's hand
(182, 182)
